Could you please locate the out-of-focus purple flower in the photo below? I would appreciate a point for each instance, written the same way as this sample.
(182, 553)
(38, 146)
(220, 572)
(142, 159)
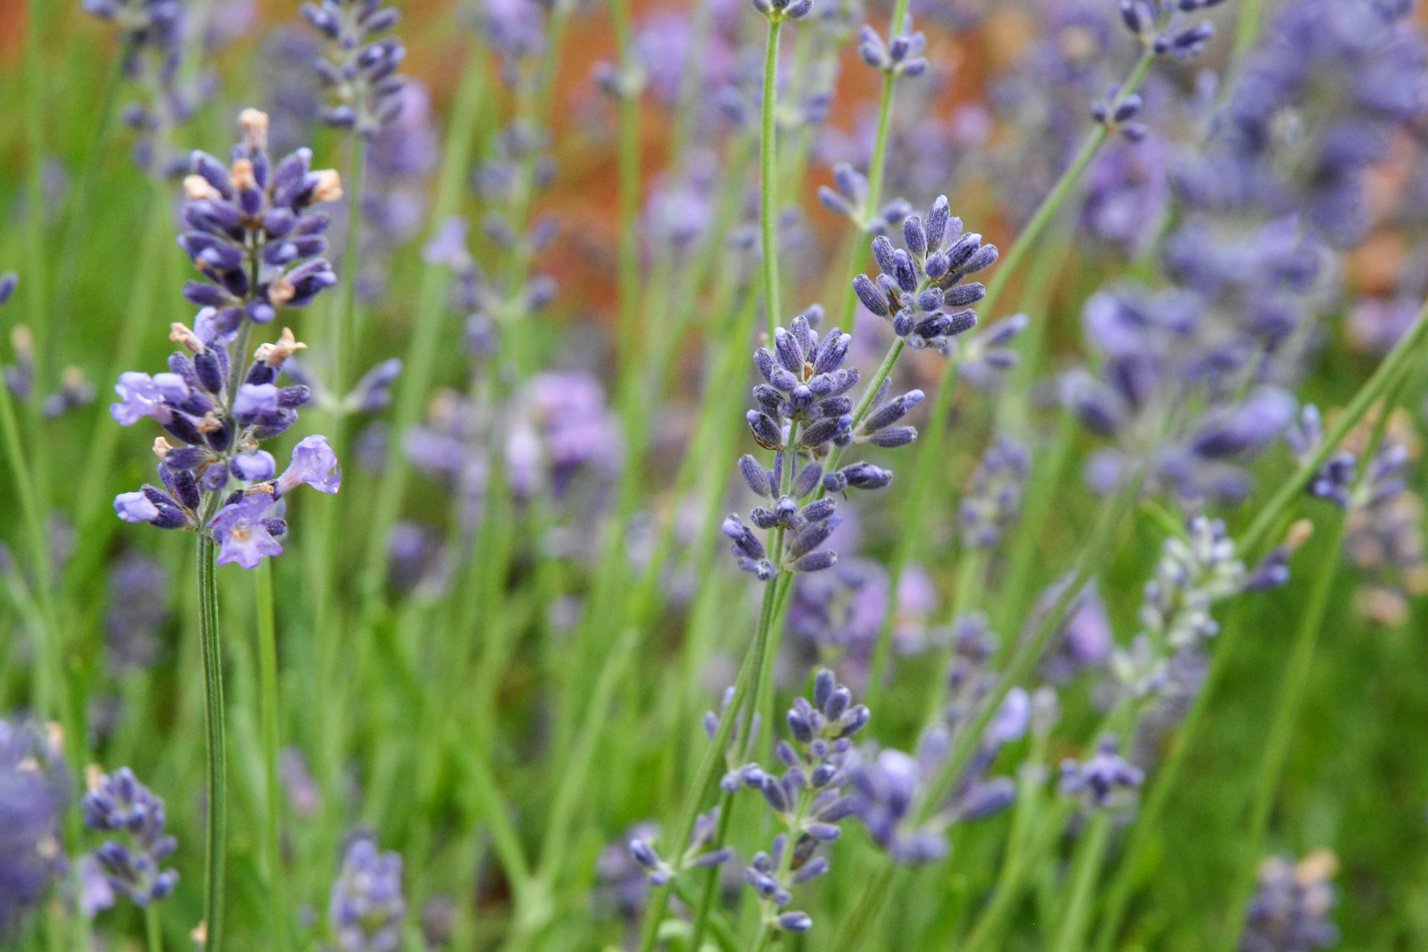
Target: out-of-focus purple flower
(1293, 905)
(119, 803)
(1127, 196)
(1084, 640)
(1319, 99)
(994, 500)
(658, 870)
(34, 792)
(368, 907)
(359, 70)
(138, 608)
(1105, 780)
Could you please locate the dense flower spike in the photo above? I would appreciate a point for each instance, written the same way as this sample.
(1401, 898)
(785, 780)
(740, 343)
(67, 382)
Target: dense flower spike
(217, 408)
(1291, 909)
(359, 70)
(132, 865)
(255, 234)
(807, 799)
(33, 797)
(367, 908)
(920, 289)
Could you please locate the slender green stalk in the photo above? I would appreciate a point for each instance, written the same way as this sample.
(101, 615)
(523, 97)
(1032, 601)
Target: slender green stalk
(709, 765)
(868, 908)
(723, 936)
(217, 790)
(1092, 851)
(1286, 713)
(705, 903)
(80, 211)
(153, 929)
(1008, 889)
(1166, 779)
(877, 165)
(270, 705)
(930, 455)
(629, 198)
(768, 179)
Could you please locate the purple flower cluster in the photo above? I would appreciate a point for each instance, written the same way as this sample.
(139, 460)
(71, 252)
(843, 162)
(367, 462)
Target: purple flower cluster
(19, 378)
(920, 287)
(1291, 908)
(900, 56)
(1384, 538)
(118, 803)
(152, 36)
(807, 799)
(359, 70)
(1103, 781)
(658, 870)
(1317, 105)
(1158, 26)
(367, 907)
(1157, 349)
(891, 787)
(804, 411)
(994, 500)
(254, 233)
(251, 225)
(33, 796)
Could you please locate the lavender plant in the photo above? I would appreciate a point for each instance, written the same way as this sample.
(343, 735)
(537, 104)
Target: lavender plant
(565, 227)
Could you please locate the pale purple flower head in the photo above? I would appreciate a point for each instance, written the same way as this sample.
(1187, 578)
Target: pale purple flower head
(313, 463)
(245, 532)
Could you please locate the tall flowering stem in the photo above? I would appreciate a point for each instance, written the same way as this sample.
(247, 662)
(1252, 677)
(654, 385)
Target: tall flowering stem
(768, 177)
(877, 163)
(217, 746)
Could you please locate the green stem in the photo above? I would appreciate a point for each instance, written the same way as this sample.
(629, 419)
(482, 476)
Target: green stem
(1166, 779)
(629, 198)
(1083, 880)
(153, 929)
(931, 454)
(877, 163)
(713, 758)
(217, 748)
(768, 179)
(711, 877)
(868, 908)
(1281, 731)
(272, 751)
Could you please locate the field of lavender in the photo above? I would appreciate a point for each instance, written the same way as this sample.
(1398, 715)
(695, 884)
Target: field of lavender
(626, 475)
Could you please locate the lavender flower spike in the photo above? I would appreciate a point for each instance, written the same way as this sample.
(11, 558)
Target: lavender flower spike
(360, 72)
(118, 803)
(367, 907)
